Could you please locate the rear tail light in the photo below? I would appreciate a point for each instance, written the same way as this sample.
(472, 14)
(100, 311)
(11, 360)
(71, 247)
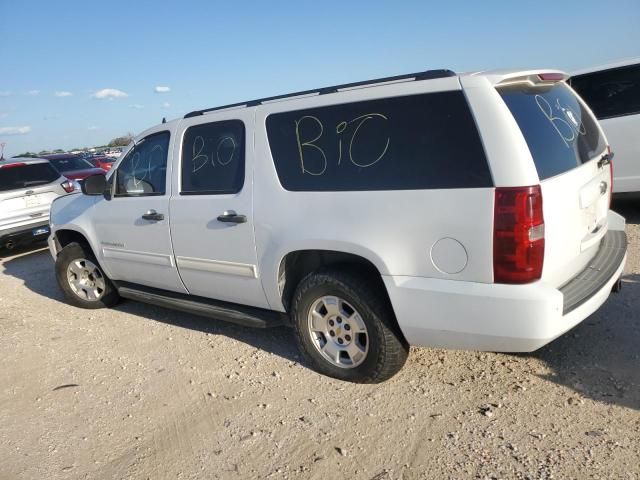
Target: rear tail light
(518, 235)
(551, 77)
(68, 186)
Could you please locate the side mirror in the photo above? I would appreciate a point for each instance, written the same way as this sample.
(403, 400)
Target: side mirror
(94, 184)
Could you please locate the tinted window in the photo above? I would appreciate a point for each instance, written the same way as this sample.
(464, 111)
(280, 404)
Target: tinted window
(70, 163)
(402, 143)
(144, 170)
(26, 176)
(213, 158)
(560, 132)
(610, 93)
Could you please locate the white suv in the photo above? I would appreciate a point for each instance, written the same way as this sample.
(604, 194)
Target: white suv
(27, 188)
(432, 209)
(612, 91)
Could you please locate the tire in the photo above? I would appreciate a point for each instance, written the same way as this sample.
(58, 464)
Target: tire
(80, 259)
(359, 302)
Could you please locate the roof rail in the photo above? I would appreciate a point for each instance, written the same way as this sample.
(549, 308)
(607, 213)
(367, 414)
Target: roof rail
(426, 75)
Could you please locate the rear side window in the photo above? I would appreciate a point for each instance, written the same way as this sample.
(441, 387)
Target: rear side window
(213, 158)
(559, 130)
(610, 93)
(16, 177)
(423, 141)
(144, 170)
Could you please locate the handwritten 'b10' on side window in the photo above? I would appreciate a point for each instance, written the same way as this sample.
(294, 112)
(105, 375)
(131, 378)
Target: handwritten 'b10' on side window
(414, 142)
(559, 130)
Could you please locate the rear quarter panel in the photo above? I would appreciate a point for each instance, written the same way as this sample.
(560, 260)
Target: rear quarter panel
(395, 230)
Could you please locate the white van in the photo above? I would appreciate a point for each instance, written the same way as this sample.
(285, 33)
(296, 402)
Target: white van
(612, 91)
(431, 209)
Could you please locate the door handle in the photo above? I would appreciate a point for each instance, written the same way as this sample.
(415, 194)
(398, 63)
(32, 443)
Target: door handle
(232, 217)
(153, 215)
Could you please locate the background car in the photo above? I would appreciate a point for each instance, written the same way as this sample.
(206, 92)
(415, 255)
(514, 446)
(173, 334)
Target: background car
(72, 166)
(27, 188)
(612, 91)
(105, 163)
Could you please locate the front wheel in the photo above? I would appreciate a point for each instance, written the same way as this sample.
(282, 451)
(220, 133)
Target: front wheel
(82, 280)
(346, 329)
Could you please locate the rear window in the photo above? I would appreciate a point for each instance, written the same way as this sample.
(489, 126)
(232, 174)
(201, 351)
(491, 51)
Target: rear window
(559, 130)
(69, 164)
(26, 176)
(610, 93)
(423, 141)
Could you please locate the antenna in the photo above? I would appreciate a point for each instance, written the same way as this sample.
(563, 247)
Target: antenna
(164, 120)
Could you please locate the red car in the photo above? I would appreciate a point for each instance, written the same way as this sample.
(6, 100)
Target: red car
(72, 166)
(105, 163)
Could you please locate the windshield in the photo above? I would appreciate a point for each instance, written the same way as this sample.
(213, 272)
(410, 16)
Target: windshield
(70, 163)
(17, 177)
(559, 130)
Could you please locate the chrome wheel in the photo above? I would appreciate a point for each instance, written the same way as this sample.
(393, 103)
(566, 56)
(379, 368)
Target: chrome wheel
(85, 279)
(338, 332)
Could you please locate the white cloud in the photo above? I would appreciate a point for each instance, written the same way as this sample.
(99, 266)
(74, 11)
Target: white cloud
(92, 128)
(109, 93)
(5, 93)
(63, 94)
(15, 130)
(136, 106)
(160, 89)
(166, 105)
(33, 93)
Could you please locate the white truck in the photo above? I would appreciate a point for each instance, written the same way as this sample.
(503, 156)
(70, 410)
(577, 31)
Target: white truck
(431, 209)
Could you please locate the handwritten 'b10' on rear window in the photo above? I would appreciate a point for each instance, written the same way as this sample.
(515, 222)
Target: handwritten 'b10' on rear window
(414, 142)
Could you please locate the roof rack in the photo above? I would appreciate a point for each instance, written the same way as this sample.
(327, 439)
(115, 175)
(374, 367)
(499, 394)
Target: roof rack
(426, 75)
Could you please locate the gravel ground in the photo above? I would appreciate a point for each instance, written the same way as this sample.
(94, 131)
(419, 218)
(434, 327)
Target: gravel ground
(143, 392)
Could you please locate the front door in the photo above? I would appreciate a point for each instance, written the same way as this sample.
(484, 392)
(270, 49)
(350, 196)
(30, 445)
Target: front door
(133, 226)
(212, 208)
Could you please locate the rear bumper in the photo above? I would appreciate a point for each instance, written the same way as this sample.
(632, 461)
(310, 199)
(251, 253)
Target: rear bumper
(24, 234)
(496, 317)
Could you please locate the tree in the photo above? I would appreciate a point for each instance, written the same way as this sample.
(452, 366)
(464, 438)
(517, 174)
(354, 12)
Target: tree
(121, 141)
(26, 155)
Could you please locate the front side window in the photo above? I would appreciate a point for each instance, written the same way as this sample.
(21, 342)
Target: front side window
(610, 93)
(213, 158)
(144, 170)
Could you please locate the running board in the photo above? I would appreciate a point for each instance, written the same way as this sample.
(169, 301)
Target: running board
(229, 312)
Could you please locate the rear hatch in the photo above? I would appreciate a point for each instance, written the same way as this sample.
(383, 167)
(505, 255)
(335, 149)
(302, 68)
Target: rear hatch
(26, 193)
(571, 156)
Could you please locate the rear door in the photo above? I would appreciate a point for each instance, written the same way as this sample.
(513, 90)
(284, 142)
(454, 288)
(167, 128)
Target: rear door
(570, 155)
(212, 224)
(26, 193)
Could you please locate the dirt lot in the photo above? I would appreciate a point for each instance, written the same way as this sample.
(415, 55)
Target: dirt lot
(143, 392)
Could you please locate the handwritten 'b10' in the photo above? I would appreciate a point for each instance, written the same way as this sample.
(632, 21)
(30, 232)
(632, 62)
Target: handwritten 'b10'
(351, 131)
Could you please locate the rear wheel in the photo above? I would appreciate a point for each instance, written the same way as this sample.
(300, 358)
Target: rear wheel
(346, 329)
(82, 280)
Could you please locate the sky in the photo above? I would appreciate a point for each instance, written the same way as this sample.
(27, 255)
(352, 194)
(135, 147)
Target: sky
(79, 73)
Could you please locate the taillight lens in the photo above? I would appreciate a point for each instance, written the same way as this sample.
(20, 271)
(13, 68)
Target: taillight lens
(518, 235)
(68, 186)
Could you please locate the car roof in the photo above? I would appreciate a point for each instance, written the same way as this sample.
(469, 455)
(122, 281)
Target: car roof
(624, 62)
(25, 160)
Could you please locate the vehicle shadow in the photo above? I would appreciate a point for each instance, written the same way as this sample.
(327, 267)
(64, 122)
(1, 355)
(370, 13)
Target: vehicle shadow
(599, 359)
(628, 206)
(35, 268)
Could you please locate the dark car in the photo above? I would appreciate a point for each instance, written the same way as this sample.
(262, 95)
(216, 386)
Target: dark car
(105, 163)
(72, 166)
